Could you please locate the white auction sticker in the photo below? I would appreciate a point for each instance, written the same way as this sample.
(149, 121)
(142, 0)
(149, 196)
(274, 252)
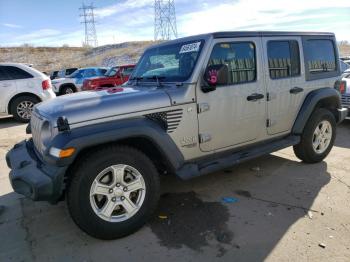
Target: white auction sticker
(193, 47)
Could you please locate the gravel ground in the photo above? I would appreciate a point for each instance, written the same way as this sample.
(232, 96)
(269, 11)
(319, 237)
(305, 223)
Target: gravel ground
(275, 208)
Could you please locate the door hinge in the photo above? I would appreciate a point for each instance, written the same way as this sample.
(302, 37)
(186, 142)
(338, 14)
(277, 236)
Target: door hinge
(202, 107)
(268, 122)
(203, 138)
(267, 96)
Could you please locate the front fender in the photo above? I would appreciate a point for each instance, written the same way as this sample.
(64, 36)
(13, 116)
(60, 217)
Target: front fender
(310, 102)
(94, 135)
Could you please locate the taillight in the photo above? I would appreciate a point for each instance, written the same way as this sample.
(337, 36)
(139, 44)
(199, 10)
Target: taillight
(340, 86)
(46, 84)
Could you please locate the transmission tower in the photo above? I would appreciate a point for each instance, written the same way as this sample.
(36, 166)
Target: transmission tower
(164, 20)
(87, 12)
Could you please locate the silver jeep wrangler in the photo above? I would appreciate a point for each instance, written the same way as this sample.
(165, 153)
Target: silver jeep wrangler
(192, 106)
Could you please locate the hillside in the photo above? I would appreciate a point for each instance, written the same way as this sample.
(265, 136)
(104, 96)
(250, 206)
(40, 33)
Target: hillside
(55, 58)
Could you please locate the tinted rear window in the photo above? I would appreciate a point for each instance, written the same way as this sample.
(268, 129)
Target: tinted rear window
(321, 56)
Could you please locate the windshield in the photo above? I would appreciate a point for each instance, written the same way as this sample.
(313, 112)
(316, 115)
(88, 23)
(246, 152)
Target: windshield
(172, 63)
(112, 72)
(76, 74)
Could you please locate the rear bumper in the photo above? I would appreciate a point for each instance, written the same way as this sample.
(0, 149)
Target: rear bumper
(343, 113)
(32, 178)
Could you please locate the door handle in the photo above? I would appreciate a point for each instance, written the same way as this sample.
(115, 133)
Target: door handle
(255, 97)
(296, 90)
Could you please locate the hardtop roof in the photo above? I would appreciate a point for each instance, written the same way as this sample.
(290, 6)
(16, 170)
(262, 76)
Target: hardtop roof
(234, 34)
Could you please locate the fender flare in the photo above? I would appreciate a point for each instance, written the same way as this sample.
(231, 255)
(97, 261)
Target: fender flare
(94, 135)
(310, 104)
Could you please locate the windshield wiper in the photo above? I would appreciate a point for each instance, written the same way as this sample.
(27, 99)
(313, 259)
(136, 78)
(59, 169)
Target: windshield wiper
(157, 78)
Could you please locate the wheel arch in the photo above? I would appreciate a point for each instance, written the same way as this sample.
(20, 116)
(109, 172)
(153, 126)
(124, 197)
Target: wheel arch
(140, 133)
(327, 98)
(19, 95)
(67, 85)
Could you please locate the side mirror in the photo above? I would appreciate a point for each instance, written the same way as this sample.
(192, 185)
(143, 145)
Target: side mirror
(215, 75)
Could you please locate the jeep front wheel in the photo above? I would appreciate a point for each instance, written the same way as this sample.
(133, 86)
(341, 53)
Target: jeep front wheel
(318, 137)
(113, 192)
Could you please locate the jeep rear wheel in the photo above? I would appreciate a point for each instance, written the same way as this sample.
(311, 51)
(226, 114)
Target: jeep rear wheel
(113, 192)
(318, 137)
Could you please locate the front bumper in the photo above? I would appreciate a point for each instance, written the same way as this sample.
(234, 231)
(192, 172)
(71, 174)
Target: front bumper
(31, 177)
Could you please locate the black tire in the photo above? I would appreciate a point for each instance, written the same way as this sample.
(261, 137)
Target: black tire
(65, 90)
(17, 102)
(304, 150)
(85, 172)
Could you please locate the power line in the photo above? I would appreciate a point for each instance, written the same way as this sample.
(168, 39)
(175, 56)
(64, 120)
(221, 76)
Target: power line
(87, 12)
(164, 20)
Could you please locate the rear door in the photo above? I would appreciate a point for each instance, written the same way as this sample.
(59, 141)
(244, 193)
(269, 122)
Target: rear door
(285, 81)
(228, 116)
(8, 88)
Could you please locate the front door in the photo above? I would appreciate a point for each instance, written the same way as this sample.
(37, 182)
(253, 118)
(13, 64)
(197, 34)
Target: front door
(8, 87)
(285, 81)
(234, 113)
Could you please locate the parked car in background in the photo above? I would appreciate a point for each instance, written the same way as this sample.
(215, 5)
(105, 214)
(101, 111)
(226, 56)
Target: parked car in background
(53, 75)
(343, 87)
(66, 72)
(344, 67)
(21, 87)
(74, 82)
(116, 76)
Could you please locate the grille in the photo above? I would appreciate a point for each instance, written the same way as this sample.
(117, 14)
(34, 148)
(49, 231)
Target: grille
(169, 120)
(345, 100)
(35, 124)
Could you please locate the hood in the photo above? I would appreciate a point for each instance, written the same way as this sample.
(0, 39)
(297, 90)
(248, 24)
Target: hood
(93, 105)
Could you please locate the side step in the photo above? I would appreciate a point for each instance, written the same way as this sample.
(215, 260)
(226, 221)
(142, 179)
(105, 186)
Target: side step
(192, 170)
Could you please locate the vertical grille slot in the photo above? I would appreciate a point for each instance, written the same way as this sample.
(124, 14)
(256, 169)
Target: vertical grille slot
(35, 124)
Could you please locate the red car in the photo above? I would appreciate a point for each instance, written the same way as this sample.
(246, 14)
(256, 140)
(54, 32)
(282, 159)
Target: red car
(116, 76)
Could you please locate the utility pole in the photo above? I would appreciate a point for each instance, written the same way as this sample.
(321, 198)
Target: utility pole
(164, 20)
(87, 12)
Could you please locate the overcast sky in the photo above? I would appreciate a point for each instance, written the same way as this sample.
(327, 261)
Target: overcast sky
(54, 23)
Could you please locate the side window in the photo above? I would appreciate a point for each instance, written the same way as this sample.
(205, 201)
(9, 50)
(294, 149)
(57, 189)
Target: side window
(103, 71)
(127, 71)
(17, 73)
(89, 72)
(3, 74)
(70, 71)
(284, 59)
(239, 58)
(320, 56)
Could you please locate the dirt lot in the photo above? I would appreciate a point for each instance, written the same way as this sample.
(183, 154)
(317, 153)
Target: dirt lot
(281, 211)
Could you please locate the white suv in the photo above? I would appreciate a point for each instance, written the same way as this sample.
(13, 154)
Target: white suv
(21, 87)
